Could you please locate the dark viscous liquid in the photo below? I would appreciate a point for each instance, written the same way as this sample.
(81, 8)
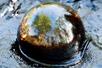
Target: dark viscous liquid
(54, 54)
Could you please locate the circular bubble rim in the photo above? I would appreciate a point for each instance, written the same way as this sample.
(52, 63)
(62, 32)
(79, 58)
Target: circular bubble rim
(76, 58)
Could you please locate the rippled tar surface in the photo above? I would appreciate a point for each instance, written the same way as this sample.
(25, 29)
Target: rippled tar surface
(10, 18)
